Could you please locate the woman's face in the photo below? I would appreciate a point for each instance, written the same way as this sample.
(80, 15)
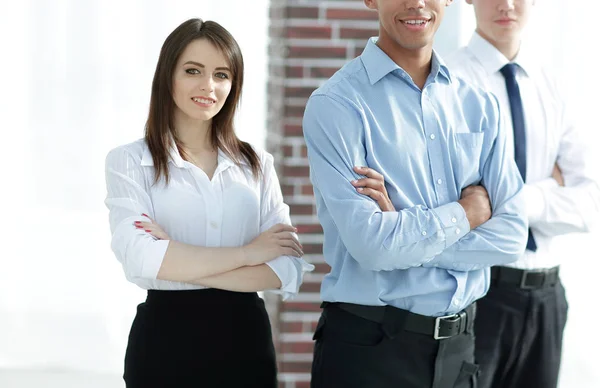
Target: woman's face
(201, 81)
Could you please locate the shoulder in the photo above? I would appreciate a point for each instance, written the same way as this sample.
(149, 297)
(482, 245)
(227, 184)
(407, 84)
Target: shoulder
(459, 57)
(346, 80)
(339, 97)
(133, 151)
(265, 158)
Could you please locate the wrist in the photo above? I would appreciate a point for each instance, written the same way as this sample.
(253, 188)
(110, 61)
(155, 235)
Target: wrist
(241, 256)
(467, 208)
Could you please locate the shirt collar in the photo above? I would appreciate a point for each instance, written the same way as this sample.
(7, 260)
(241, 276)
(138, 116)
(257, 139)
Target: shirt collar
(223, 160)
(378, 64)
(492, 59)
(174, 155)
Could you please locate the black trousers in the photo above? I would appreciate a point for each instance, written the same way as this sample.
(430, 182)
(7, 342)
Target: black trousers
(353, 352)
(519, 336)
(202, 339)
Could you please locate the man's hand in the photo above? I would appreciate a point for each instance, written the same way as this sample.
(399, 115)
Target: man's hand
(476, 202)
(373, 186)
(557, 175)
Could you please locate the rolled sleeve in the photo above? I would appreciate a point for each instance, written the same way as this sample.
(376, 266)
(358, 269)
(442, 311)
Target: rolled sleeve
(140, 254)
(290, 270)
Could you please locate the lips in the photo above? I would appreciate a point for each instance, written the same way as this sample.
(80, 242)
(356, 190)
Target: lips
(204, 100)
(505, 21)
(416, 22)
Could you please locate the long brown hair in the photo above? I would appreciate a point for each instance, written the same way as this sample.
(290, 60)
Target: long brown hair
(160, 127)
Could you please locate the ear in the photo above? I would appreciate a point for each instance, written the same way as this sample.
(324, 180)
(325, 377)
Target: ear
(371, 4)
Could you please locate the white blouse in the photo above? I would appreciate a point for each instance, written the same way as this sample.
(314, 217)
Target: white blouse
(228, 211)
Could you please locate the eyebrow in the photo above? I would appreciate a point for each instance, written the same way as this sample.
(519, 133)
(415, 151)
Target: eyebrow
(202, 66)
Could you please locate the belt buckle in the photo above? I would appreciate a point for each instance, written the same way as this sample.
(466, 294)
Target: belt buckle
(436, 328)
(524, 279)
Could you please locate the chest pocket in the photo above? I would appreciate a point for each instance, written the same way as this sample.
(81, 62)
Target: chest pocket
(468, 152)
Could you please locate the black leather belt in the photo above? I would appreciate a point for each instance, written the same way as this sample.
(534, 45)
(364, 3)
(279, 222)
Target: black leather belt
(524, 279)
(391, 317)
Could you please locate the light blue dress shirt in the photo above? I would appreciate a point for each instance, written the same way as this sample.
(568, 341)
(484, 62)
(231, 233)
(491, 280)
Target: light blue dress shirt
(429, 145)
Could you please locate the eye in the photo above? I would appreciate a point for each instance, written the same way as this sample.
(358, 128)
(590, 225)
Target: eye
(192, 71)
(222, 75)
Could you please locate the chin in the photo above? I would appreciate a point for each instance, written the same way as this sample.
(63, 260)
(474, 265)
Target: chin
(200, 115)
(413, 45)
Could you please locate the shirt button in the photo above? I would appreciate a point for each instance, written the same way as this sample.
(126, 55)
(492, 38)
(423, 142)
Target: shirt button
(457, 231)
(432, 136)
(214, 225)
(424, 233)
(439, 181)
(454, 220)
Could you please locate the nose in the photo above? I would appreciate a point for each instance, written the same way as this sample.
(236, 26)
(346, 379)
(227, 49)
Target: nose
(207, 84)
(415, 4)
(506, 5)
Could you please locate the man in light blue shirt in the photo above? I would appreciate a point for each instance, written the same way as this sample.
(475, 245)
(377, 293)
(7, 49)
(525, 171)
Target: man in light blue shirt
(440, 146)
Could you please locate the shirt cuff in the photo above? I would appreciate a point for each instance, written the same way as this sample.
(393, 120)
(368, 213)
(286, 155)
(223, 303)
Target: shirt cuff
(154, 255)
(290, 271)
(454, 222)
(535, 201)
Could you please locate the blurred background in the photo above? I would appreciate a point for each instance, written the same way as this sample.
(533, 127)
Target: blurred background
(76, 77)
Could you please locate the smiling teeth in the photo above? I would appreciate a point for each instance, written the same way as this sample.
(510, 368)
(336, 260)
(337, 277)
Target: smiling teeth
(415, 21)
(202, 100)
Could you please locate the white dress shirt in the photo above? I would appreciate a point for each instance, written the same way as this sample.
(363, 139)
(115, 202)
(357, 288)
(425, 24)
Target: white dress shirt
(228, 211)
(551, 137)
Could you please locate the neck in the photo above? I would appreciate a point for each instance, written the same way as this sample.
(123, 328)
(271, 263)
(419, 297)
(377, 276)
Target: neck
(416, 62)
(509, 48)
(195, 134)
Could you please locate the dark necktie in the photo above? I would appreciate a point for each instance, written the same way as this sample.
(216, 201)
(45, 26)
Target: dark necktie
(518, 120)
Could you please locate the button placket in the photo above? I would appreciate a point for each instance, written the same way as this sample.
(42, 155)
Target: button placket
(214, 212)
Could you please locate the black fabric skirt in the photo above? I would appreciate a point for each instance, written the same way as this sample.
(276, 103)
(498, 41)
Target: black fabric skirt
(201, 338)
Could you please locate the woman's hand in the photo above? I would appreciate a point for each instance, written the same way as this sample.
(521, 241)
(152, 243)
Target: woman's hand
(277, 241)
(152, 228)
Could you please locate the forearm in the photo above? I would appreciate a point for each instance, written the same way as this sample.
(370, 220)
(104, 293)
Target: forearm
(384, 241)
(243, 279)
(479, 249)
(500, 240)
(555, 210)
(186, 263)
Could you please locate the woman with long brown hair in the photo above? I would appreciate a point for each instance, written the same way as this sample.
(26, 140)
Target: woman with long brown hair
(198, 219)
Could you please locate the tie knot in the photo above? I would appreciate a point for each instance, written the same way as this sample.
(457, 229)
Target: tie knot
(509, 71)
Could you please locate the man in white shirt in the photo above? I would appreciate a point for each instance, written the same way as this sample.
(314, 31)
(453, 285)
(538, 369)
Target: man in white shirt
(520, 321)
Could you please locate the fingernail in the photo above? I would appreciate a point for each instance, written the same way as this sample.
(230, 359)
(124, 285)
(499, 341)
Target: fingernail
(148, 230)
(360, 189)
(354, 182)
(139, 226)
(137, 222)
(145, 215)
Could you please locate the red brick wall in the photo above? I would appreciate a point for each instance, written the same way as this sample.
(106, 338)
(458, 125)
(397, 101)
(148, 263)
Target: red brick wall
(309, 41)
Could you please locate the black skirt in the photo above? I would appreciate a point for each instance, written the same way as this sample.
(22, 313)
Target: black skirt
(201, 338)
